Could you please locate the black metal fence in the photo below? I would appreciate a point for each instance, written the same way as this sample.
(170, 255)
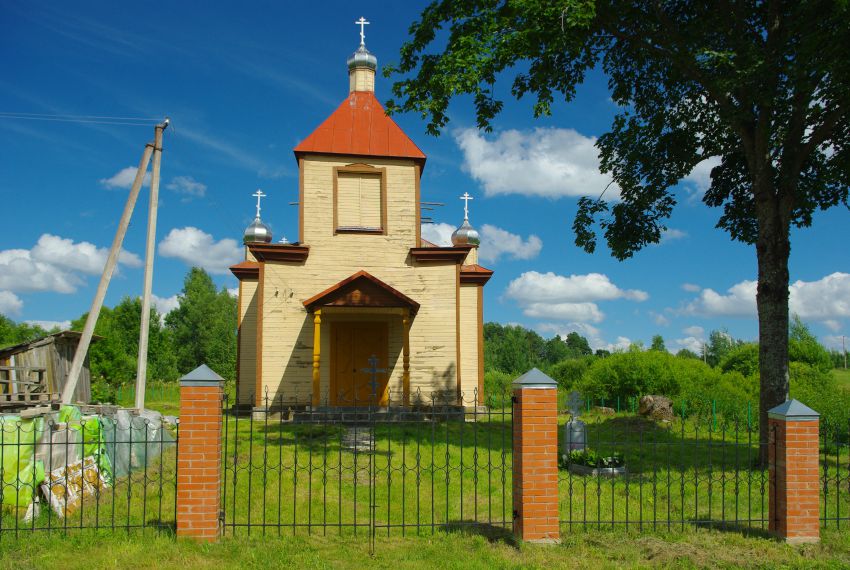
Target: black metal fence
(65, 471)
(368, 470)
(687, 470)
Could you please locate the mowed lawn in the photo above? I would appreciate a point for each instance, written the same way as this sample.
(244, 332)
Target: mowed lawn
(598, 550)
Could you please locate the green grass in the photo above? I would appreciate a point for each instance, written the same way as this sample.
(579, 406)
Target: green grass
(842, 376)
(163, 397)
(600, 550)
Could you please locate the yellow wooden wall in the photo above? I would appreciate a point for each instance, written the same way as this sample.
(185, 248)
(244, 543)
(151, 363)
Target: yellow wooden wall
(247, 341)
(469, 342)
(287, 334)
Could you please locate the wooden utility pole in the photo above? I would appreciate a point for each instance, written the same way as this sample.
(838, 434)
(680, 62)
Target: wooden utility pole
(108, 269)
(142, 361)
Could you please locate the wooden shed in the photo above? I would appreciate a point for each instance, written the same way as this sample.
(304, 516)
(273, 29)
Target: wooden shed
(53, 355)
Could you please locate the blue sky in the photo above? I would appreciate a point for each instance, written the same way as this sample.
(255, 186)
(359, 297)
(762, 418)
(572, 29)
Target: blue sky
(243, 85)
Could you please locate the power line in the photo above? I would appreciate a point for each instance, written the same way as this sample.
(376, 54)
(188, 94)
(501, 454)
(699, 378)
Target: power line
(88, 119)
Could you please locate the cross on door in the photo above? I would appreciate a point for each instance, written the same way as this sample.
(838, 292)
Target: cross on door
(373, 370)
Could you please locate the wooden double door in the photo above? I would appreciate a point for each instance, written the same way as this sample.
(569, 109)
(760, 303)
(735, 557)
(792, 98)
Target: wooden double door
(352, 345)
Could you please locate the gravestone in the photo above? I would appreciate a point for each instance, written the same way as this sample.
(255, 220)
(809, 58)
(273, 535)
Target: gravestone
(575, 430)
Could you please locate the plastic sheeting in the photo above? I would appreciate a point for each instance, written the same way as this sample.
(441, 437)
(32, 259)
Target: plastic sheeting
(21, 472)
(64, 442)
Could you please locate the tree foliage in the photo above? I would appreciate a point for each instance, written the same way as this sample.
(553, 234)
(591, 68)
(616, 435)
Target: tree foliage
(203, 326)
(761, 88)
(114, 358)
(12, 333)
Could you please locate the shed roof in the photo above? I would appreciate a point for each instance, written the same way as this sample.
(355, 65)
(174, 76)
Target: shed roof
(360, 127)
(24, 346)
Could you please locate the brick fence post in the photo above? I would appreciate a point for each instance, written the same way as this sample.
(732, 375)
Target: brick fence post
(793, 455)
(199, 455)
(535, 458)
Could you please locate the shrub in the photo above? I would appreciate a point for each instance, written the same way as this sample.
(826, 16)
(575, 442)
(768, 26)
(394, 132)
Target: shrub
(569, 372)
(819, 390)
(497, 385)
(634, 373)
(744, 358)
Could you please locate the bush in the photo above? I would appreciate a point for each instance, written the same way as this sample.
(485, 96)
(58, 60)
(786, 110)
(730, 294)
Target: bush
(568, 373)
(102, 391)
(819, 390)
(633, 373)
(497, 385)
(743, 358)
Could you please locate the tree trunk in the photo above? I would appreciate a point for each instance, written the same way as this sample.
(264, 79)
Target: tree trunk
(773, 249)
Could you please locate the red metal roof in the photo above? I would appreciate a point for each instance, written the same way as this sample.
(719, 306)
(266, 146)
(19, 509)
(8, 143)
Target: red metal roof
(360, 126)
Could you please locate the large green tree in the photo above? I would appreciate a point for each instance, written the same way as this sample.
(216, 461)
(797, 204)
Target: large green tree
(114, 357)
(203, 326)
(761, 86)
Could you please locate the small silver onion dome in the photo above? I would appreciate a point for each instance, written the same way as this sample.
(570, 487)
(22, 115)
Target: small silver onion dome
(465, 235)
(362, 58)
(257, 232)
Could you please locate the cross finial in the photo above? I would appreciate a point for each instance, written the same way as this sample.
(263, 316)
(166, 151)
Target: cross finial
(362, 23)
(259, 194)
(466, 198)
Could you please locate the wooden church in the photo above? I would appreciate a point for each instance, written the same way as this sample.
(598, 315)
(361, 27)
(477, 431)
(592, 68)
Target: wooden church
(360, 310)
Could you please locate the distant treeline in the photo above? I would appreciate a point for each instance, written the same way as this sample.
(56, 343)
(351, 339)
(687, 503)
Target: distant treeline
(201, 329)
(724, 378)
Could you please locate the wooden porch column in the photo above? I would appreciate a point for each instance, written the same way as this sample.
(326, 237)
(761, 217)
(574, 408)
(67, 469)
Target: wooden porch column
(405, 375)
(317, 349)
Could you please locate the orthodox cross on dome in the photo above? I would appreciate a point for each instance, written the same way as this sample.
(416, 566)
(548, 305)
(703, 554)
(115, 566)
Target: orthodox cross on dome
(259, 194)
(362, 23)
(466, 198)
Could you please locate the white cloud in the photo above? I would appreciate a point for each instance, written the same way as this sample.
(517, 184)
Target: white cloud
(496, 242)
(566, 311)
(700, 177)
(671, 234)
(548, 162)
(49, 325)
(164, 305)
(234, 291)
(834, 342)
(694, 330)
(823, 300)
(83, 256)
(691, 343)
(124, 178)
(832, 325)
(739, 301)
(55, 264)
(197, 248)
(547, 295)
(532, 286)
(659, 319)
(621, 344)
(691, 288)
(440, 234)
(10, 304)
(188, 186)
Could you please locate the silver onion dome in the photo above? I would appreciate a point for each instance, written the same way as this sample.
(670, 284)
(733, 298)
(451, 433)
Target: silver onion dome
(465, 235)
(257, 232)
(362, 58)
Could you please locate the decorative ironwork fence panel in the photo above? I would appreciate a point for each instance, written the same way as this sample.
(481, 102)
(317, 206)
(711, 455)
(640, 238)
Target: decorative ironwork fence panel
(394, 470)
(689, 470)
(835, 475)
(65, 471)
